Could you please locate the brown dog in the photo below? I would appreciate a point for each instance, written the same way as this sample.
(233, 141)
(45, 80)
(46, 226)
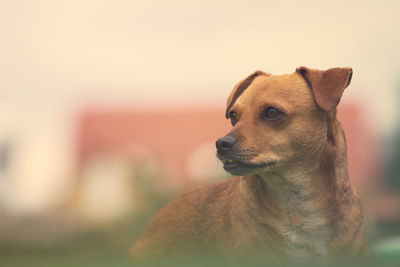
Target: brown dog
(295, 199)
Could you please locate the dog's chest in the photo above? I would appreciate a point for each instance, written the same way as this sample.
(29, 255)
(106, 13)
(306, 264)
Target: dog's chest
(306, 232)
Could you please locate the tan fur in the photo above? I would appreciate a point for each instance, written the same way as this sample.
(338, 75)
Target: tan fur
(301, 206)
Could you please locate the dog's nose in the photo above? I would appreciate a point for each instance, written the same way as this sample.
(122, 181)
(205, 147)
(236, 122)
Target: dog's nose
(225, 143)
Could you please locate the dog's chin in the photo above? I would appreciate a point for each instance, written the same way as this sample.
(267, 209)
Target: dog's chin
(239, 168)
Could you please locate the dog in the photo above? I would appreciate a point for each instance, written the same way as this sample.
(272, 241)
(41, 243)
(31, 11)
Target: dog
(291, 197)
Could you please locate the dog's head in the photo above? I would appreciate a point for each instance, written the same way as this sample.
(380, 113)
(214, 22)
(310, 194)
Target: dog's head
(280, 120)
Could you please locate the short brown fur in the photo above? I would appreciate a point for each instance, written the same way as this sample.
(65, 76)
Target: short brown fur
(295, 201)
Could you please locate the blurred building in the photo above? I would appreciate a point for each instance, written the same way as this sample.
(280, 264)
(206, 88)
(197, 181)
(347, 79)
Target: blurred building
(178, 145)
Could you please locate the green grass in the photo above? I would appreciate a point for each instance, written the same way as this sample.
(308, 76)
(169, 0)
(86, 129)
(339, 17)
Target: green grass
(109, 247)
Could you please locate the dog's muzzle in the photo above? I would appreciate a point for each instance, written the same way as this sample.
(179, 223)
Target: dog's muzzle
(224, 144)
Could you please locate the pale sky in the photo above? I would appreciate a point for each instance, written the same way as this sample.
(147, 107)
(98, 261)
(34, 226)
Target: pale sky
(57, 55)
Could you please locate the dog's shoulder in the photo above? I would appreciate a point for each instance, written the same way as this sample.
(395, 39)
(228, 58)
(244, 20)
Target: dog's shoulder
(185, 220)
(200, 200)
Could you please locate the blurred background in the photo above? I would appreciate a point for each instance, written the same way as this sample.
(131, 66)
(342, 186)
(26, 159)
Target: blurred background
(108, 109)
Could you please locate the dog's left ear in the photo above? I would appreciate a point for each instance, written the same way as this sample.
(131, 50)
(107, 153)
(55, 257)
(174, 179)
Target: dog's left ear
(327, 86)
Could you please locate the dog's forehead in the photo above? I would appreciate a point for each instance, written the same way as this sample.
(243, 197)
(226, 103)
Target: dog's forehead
(288, 89)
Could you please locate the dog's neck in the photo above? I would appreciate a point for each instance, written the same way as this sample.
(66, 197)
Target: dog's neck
(303, 199)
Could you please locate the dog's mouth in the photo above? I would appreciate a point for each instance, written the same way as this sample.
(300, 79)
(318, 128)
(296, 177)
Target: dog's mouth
(243, 168)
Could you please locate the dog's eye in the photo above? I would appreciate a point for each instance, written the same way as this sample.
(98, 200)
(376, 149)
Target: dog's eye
(271, 114)
(232, 116)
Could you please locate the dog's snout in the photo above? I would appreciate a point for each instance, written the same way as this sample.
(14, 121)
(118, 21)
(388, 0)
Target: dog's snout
(225, 143)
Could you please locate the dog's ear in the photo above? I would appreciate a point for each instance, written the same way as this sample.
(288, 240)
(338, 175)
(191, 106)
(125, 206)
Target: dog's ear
(239, 89)
(327, 86)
